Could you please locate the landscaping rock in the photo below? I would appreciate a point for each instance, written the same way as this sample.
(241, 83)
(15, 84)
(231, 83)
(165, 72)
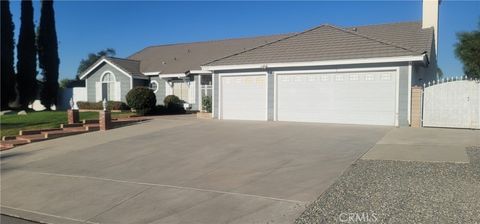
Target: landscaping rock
(22, 112)
(38, 106)
(5, 112)
(402, 192)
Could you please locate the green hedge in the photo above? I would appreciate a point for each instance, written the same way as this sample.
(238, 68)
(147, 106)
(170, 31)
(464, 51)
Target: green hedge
(111, 105)
(173, 105)
(142, 99)
(207, 103)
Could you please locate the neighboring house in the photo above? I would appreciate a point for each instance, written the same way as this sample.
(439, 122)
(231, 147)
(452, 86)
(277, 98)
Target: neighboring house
(329, 74)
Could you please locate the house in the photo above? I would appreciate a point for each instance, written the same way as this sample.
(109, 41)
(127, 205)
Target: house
(166, 69)
(328, 74)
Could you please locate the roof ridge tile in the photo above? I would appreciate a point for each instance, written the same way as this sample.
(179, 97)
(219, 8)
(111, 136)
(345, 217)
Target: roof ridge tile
(375, 39)
(210, 41)
(288, 37)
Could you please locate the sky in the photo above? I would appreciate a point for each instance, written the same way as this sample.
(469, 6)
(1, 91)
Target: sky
(129, 26)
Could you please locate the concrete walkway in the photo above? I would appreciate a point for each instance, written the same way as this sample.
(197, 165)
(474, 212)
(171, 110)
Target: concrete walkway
(181, 170)
(425, 145)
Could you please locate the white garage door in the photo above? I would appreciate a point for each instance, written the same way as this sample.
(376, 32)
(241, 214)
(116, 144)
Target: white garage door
(243, 97)
(344, 98)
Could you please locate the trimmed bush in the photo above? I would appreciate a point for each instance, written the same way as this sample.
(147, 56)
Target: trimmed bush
(207, 104)
(158, 110)
(142, 99)
(173, 105)
(111, 105)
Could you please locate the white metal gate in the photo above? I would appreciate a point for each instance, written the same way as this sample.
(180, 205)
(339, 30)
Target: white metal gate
(452, 103)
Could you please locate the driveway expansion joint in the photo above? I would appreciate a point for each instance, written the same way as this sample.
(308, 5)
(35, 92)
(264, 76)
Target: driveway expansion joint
(168, 186)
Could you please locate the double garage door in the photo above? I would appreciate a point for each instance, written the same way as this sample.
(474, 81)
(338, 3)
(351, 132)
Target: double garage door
(344, 98)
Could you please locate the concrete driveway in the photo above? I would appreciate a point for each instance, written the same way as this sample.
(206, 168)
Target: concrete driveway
(181, 170)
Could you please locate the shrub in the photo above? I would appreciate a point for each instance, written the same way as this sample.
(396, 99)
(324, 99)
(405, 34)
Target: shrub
(111, 105)
(158, 110)
(173, 105)
(207, 104)
(141, 99)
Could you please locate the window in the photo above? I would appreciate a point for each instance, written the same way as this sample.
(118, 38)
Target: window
(108, 77)
(153, 86)
(108, 86)
(180, 89)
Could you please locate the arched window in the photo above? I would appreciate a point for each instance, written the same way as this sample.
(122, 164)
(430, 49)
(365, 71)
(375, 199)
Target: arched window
(108, 86)
(108, 77)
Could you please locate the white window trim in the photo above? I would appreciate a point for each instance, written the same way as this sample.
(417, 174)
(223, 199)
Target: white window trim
(220, 97)
(199, 72)
(114, 82)
(175, 75)
(151, 73)
(111, 64)
(397, 84)
(106, 72)
(158, 86)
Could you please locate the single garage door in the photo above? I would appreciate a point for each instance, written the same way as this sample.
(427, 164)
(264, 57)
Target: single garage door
(243, 97)
(344, 98)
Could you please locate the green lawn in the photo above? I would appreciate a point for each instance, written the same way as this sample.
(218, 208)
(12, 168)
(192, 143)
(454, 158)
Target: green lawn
(12, 123)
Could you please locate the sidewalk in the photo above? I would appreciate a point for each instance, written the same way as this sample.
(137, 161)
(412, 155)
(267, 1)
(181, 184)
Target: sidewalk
(425, 145)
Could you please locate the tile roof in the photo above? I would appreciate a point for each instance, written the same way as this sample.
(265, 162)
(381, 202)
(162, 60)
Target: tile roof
(132, 67)
(327, 42)
(408, 34)
(180, 58)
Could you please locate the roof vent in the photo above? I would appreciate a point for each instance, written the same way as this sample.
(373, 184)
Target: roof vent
(354, 29)
(175, 59)
(163, 63)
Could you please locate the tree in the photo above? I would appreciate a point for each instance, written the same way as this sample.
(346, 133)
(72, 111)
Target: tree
(27, 57)
(92, 58)
(48, 54)
(468, 51)
(439, 73)
(7, 46)
(70, 83)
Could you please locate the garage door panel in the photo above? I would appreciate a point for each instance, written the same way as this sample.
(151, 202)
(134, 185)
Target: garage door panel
(244, 97)
(357, 98)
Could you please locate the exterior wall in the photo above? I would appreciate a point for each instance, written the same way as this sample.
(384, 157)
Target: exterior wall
(403, 93)
(215, 98)
(95, 77)
(403, 97)
(160, 94)
(423, 74)
(270, 96)
(140, 82)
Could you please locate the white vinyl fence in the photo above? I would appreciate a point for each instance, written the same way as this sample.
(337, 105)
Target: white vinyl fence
(452, 103)
(64, 96)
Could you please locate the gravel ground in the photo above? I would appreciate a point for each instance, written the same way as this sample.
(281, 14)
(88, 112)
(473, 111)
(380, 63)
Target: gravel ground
(401, 192)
